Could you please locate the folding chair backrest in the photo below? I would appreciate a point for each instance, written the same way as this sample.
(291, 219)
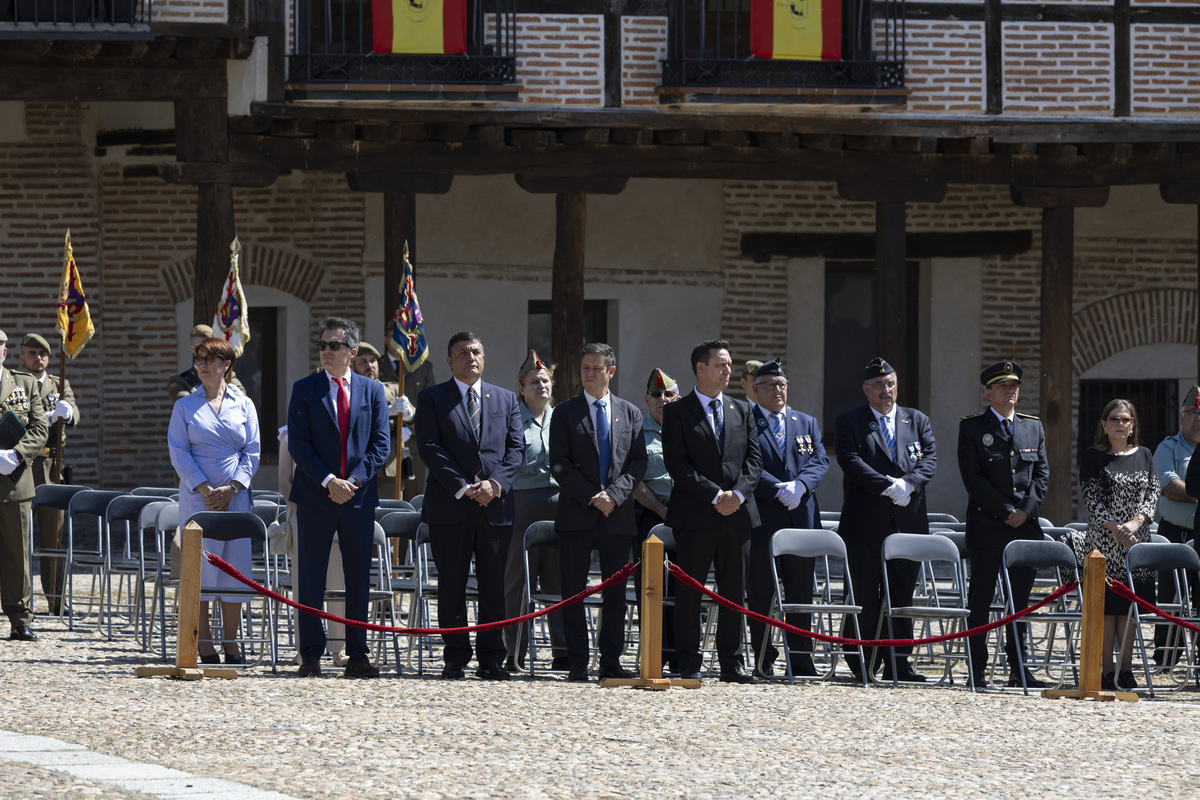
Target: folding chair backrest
(1077, 526)
(155, 491)
(148, 516)
(268, 495)
(395, 505)
(267, 512)
(1039, 554)
(831, 515)
(957, 527)
(541, 534)
(401, 524)
(939, 517)
(958, 537)
(807, 543)
(920, 547)
(1158, 538)
(417, 501)
(229, 525)
(168, 517)
(128, 507)
(51, 495)
(92, 501)
(1162, 556)
(1059, 534)
(665, 535)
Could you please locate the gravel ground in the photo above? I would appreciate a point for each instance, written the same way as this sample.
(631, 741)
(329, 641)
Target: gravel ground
(427, 739)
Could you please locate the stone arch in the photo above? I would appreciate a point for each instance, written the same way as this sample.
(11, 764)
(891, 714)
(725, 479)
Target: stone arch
(260, 266)
(1132, 319)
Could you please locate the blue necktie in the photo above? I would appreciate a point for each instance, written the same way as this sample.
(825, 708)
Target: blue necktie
(889, 437)
(718, 423)
(473, 411)
(777, 429)
(603, 442)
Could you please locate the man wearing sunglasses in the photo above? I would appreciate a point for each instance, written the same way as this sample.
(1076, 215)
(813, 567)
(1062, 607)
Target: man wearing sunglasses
(1177, 506)
(338, 437)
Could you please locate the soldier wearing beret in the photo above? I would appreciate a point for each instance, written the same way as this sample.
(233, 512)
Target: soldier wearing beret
(18, 395)
(749, 372)
(185, 383)
(58, 400)
(1002, 458)
(366, 363)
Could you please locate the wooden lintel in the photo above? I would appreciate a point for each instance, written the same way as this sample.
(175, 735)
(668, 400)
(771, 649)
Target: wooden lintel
(530, 137)
(680, 136)
(82, 49)
(1060, 196)
(916, 144)
(1188, 193)
(405, 183)
(777, 141)
(97, 80)
(727, 138)
(544, 184)
(450, 132)
(762, 247)
(584, 136)
(336, 131)
(196, 173)
(971, 146)
(908, 192)
(870, 143)
(632, 136)
(822, 141)
(487, 134)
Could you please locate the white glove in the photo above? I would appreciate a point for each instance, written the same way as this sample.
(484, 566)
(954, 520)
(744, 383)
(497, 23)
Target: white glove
(899, 492)
(62, 410)
(405, 434)
(9, 461)
(790, 494)
(403, 407)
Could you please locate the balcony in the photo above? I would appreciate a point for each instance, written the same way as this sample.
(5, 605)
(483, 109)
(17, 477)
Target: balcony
(334, 45)
(709, 57)
(76, 19)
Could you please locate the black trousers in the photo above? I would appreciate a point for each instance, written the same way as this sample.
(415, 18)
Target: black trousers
(864, 562)
(985, 569)
(453, 547)
(697, 549)
(796, 575)
(575, 559)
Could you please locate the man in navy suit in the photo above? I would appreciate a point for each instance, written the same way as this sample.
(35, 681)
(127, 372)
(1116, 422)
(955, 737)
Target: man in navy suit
(887, 455)
(469, 435)
(598, 457)
(794, 462)
(711, 450)
(338, 437)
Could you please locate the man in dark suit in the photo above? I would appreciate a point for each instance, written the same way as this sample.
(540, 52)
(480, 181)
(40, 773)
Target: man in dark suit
(794, 462)
(711, 450)
(887, 455)
(338, 438)
(470, 437)
(1002, 458)
(598, 457)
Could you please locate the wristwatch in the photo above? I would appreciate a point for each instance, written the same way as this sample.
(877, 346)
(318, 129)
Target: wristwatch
(234, 487)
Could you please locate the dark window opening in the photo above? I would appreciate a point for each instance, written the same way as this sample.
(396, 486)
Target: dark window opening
(258, 370)
(1156, 401)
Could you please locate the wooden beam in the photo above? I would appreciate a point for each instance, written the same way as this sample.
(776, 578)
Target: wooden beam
(202, 135)
(399, 226)
(542, 184)
(993, 56)
(612, 53)
(401, 183)
(1122, 59)
(583, 136)
(566, 292)
(1058, 267)
(94, 80)
(874, 192)
(762, 247)
(1060, 197)
(196, 173)
(893, 338)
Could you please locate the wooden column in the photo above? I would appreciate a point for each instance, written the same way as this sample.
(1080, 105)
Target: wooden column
(1057, 380)
(1190, 194)
(202, 134)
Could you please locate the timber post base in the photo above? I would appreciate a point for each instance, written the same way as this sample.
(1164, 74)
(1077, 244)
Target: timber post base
(186, 654)
(650, 635)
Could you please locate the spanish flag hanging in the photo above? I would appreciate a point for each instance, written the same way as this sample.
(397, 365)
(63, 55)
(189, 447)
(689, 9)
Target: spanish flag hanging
(419, 26)
(797, 29)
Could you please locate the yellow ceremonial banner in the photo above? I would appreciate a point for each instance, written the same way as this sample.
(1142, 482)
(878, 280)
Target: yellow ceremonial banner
(74, 318)
(796, 29)
(419, 26)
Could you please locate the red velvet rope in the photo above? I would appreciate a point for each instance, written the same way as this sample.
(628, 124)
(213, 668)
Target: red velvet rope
(617, 577)
(688, 580)
(1129, 594)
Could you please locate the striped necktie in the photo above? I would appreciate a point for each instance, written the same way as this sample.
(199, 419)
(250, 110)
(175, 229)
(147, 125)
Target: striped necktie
(889, 437)
(473, 411)
(718, 420)
(777, 429)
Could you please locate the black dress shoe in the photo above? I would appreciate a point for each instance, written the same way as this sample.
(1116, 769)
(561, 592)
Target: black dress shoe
(578, 675)
(210, 658)
(765, 671)
(980, 682)
(1125, 679)
(311, 668)
(737, 675)
(23, 633)
(452, 672)
(690, 676)
(1108, 682)
(614, 671)
(1014, 680)
(803, 667)
(492, 671)
(904, 673)
(360, 668)
(560, 664)
(234, 658)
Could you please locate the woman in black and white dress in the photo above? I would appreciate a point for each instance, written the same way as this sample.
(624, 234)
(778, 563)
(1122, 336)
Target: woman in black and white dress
(1120, 488)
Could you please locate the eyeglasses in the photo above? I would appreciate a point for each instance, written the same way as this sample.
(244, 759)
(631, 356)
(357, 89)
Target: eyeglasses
(660, 393)
(771, 386)
(1191, 413)
(1121, 420)
(206, 361)
(334, 346)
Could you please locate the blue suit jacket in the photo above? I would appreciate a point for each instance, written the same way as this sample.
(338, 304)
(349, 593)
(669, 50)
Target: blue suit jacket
(803, 459)
(316, 445)
(454, 459)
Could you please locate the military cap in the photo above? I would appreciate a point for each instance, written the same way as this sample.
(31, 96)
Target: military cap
(3, 337)
(770, 369)
(33, 340)
(877, 367)
(202, 330)
(751, 368)
(363, 347)
(1193, 398)
(1002, 371)
(532, 362)
(659, 382)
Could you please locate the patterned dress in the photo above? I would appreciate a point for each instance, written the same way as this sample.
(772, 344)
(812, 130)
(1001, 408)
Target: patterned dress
(1118, 487)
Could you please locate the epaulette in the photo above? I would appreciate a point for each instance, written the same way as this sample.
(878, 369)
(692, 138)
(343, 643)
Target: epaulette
(22, 372)
(974, 416)
(1027, 416)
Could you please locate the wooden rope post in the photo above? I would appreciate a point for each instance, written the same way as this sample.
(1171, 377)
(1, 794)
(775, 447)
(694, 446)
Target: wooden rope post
(188, 599)
(1091, 645)
(650, 630)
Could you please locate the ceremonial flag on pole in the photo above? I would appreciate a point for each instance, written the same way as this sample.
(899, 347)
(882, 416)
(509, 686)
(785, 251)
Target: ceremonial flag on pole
(406, 339)
(232, 320)
(419, 26)
(796, 29)
(74, 318)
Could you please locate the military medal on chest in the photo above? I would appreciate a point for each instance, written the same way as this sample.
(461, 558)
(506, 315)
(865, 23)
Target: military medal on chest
(18, 400)
(987, 440)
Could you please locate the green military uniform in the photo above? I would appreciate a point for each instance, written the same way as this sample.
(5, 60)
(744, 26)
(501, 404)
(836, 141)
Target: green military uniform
(18, 394)
(414, 383)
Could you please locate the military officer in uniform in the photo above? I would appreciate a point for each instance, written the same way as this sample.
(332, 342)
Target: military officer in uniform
(367, 363)
(1002, 458)
(414, 383)
(185, 383)
(749, 373)
(19, 395)
(58, 401)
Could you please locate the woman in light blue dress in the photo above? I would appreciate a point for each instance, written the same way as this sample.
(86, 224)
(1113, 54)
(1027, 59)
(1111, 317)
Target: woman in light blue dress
(214, 444)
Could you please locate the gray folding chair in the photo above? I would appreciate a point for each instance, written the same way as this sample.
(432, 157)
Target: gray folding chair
(802, 543)
(125, 567)
(408, 577)
(539, 534)
(85, 517)
(1174, 561)
(939, 517)
(56, 496)
(166, 522)
(381, 607)
(417, 501)
(1066, 612)
(164, 492)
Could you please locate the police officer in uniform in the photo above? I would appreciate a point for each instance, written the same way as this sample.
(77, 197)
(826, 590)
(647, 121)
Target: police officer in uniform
(58, 402)
(185, 383)
(1002, 458)
(18, 394)
(367, 363)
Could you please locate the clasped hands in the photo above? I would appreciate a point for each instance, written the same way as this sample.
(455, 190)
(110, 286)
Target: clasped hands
(216, 498)
(602, 501)
(900, 492)
(790, 493)
(482, 492)
(1124, 532)
(727, 503)
(340, 490)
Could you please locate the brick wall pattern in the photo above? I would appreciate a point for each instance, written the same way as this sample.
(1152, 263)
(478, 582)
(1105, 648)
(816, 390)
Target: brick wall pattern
(1058, 68)
(191, 11)
(643, 47)
(1166, 69)
(560, 59)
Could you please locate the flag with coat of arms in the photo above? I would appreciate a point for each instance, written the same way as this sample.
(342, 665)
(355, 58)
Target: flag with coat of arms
(232, 320)
(406, 339)
(74, 318)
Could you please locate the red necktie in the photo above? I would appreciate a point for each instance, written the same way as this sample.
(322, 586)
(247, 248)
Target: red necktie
(343, 417)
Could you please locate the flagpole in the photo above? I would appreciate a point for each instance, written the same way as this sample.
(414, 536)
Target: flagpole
(401, 371)
(56, 474)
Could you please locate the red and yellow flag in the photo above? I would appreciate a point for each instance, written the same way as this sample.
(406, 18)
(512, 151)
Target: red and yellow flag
(74, 318)
(419, 26)
(796, 29)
